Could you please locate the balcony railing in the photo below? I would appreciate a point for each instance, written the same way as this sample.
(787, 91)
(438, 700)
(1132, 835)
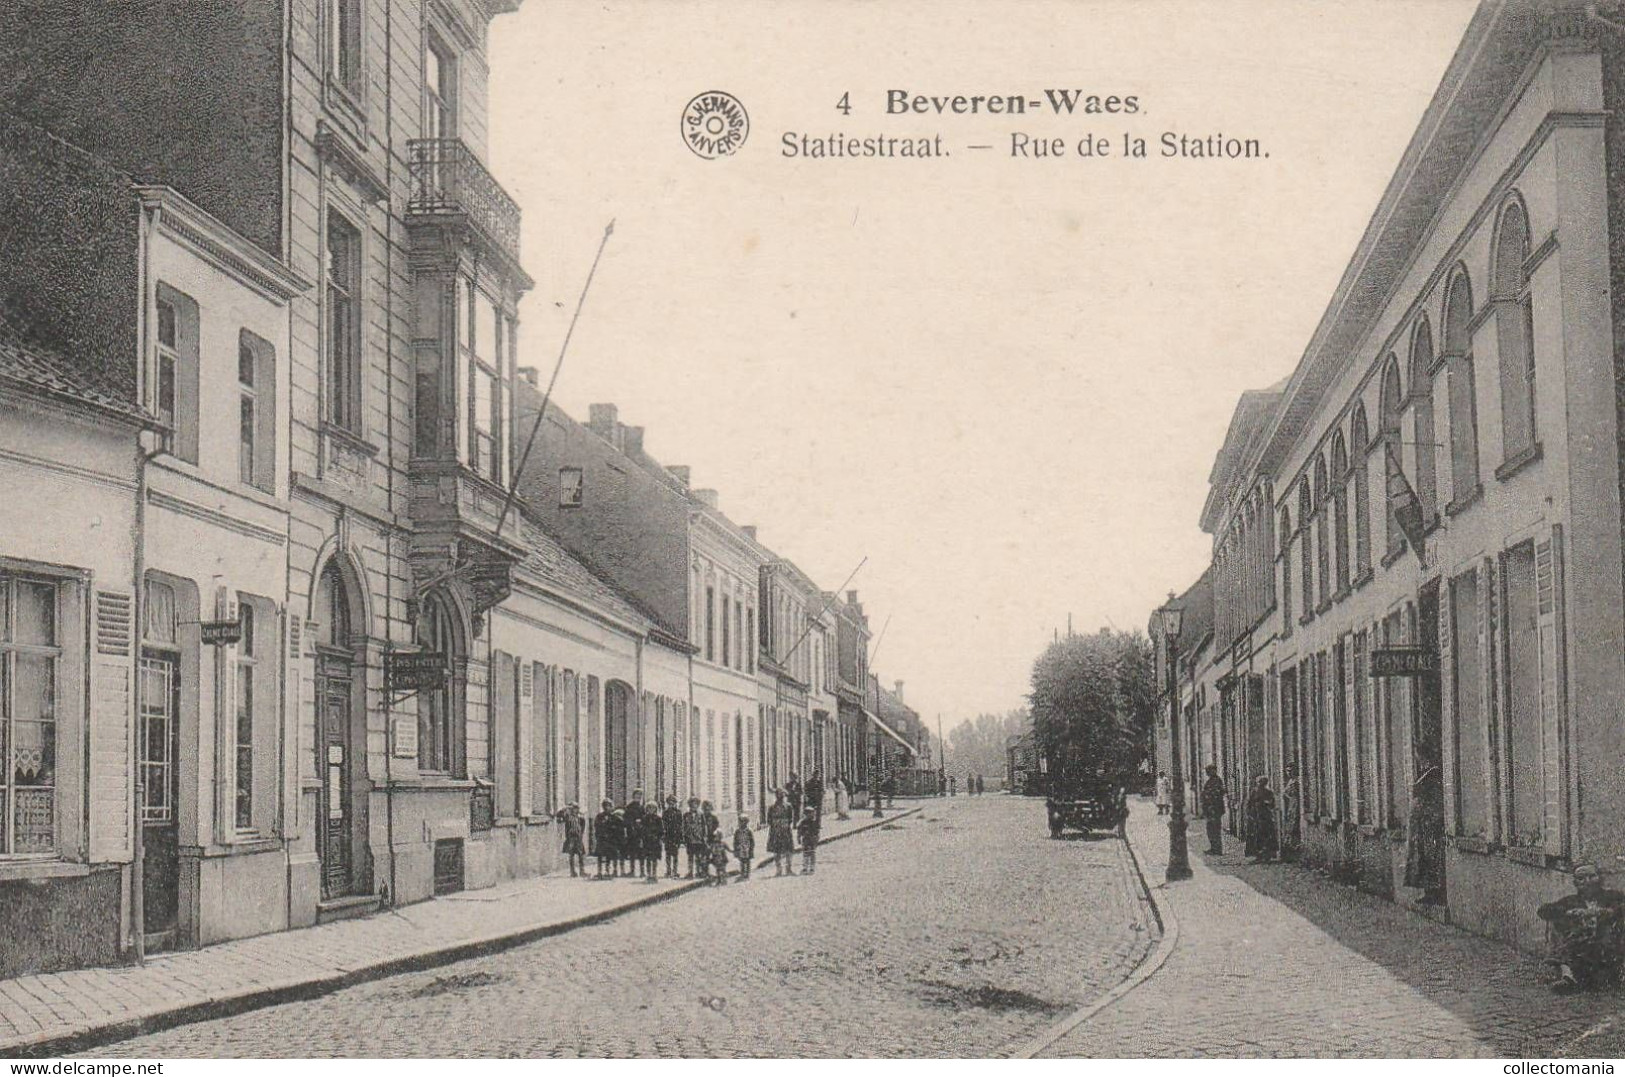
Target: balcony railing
(448, 178)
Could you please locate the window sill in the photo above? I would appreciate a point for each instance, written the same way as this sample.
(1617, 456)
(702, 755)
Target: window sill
(247, 491)
(433, 783)
(348, 438)
(1468, 844)
(44, 867)
(1518, 461)
(1462, 504)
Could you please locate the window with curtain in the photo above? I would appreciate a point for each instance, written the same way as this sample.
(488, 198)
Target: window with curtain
(343, 258)
(30, 660)
(436, 634)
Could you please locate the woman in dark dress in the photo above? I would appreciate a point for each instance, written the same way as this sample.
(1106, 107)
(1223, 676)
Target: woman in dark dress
(781, 841)
(1261, 825)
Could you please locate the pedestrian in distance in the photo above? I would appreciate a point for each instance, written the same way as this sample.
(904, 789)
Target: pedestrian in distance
(889, 787)
(1261, 838)
(815, 794)
(1165, 794)
(744, 847)
(654, 826)
(632, 849)
(719, 858)
(1291, 803)
(694, 838)
(981, 785)
(574, 829)
(780, 840)
(807, 831)
(792, 792)
(712, 823)
(843, 799)
(953, 785)
(1213, 809)
(672, 834)
(600, 826)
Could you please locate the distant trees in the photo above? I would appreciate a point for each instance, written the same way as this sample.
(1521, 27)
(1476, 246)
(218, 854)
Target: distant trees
(1096, 695)
(976, 745)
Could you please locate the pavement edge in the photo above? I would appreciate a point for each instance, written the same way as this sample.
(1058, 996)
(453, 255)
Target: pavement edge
(1147, 968)
(55, 1045)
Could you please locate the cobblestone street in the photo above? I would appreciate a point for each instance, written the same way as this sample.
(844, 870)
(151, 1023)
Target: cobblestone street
(960, 931)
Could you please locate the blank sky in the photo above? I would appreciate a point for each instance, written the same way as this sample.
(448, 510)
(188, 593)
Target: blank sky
(1001, 380)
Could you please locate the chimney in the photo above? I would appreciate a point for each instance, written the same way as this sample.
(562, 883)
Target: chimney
(601, 420)
(680, 472)
(899, 692)
(750, 531)
(706, 497)
(632, 440)
(852, 598)
(531, 375)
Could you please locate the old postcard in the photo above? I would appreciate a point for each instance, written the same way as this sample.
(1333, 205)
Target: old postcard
(967, 529)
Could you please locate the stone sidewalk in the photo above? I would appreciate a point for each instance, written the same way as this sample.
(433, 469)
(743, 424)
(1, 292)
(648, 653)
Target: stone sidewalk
(57, 1013)
(1273, 960)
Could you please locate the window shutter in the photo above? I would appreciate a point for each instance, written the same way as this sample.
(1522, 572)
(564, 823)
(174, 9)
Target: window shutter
(113, 623)
(529, 774)
(1489, 581)
(1447, 706)
(1553, 692)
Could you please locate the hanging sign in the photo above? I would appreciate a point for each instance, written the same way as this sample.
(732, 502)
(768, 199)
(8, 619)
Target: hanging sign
(221, 633)
(1410, 661)
(415, 671)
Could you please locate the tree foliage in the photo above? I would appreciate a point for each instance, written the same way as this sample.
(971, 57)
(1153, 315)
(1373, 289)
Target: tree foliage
(1095, 696)
(977, 745)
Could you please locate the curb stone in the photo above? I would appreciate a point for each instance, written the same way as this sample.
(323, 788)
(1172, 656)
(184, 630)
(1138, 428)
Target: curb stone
(259, 996)
(1147, 968)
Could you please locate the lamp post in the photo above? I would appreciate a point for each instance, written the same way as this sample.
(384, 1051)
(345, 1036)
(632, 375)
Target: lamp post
(1179, 861)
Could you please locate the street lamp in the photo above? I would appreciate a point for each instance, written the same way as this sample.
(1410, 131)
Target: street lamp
(1179, 861)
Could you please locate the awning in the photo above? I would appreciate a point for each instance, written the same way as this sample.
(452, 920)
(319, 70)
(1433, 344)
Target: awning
(888, 730)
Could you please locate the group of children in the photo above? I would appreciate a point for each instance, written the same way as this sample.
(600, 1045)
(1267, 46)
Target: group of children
(629, 841)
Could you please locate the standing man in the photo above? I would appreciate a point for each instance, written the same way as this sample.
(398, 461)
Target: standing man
(815, 794)
(1213, 809)
(792, 790)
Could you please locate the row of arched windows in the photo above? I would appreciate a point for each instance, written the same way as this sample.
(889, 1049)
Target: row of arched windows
(1332, 533)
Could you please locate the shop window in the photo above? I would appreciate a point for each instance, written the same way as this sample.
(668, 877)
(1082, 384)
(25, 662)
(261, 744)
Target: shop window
(1458, 347)
(30, 677)
(437, 718)
(343, 324)
(1514, 332)
(175, 372)
(1360, 461)
(1471, 736)
(1522, 678)
(1393, 453)
(1422, 423)
(1340, 509)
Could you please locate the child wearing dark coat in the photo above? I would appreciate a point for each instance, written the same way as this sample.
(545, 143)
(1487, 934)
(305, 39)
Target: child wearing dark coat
(694, 833)
(653, 827)
(673, 835)
(719, 858)
(574, 827)
(807, 831)
(744, 847)
(604, 847)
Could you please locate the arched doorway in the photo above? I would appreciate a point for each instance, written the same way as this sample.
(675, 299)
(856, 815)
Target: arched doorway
(618, 770)
(340, 760)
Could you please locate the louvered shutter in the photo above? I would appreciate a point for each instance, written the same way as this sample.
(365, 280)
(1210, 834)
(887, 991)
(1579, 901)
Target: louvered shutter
(1488, 590)
(1553, 693)
(109, 726)
(1447, 705)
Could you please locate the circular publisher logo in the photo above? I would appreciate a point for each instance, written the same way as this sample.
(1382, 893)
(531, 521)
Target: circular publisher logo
(715, 124)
